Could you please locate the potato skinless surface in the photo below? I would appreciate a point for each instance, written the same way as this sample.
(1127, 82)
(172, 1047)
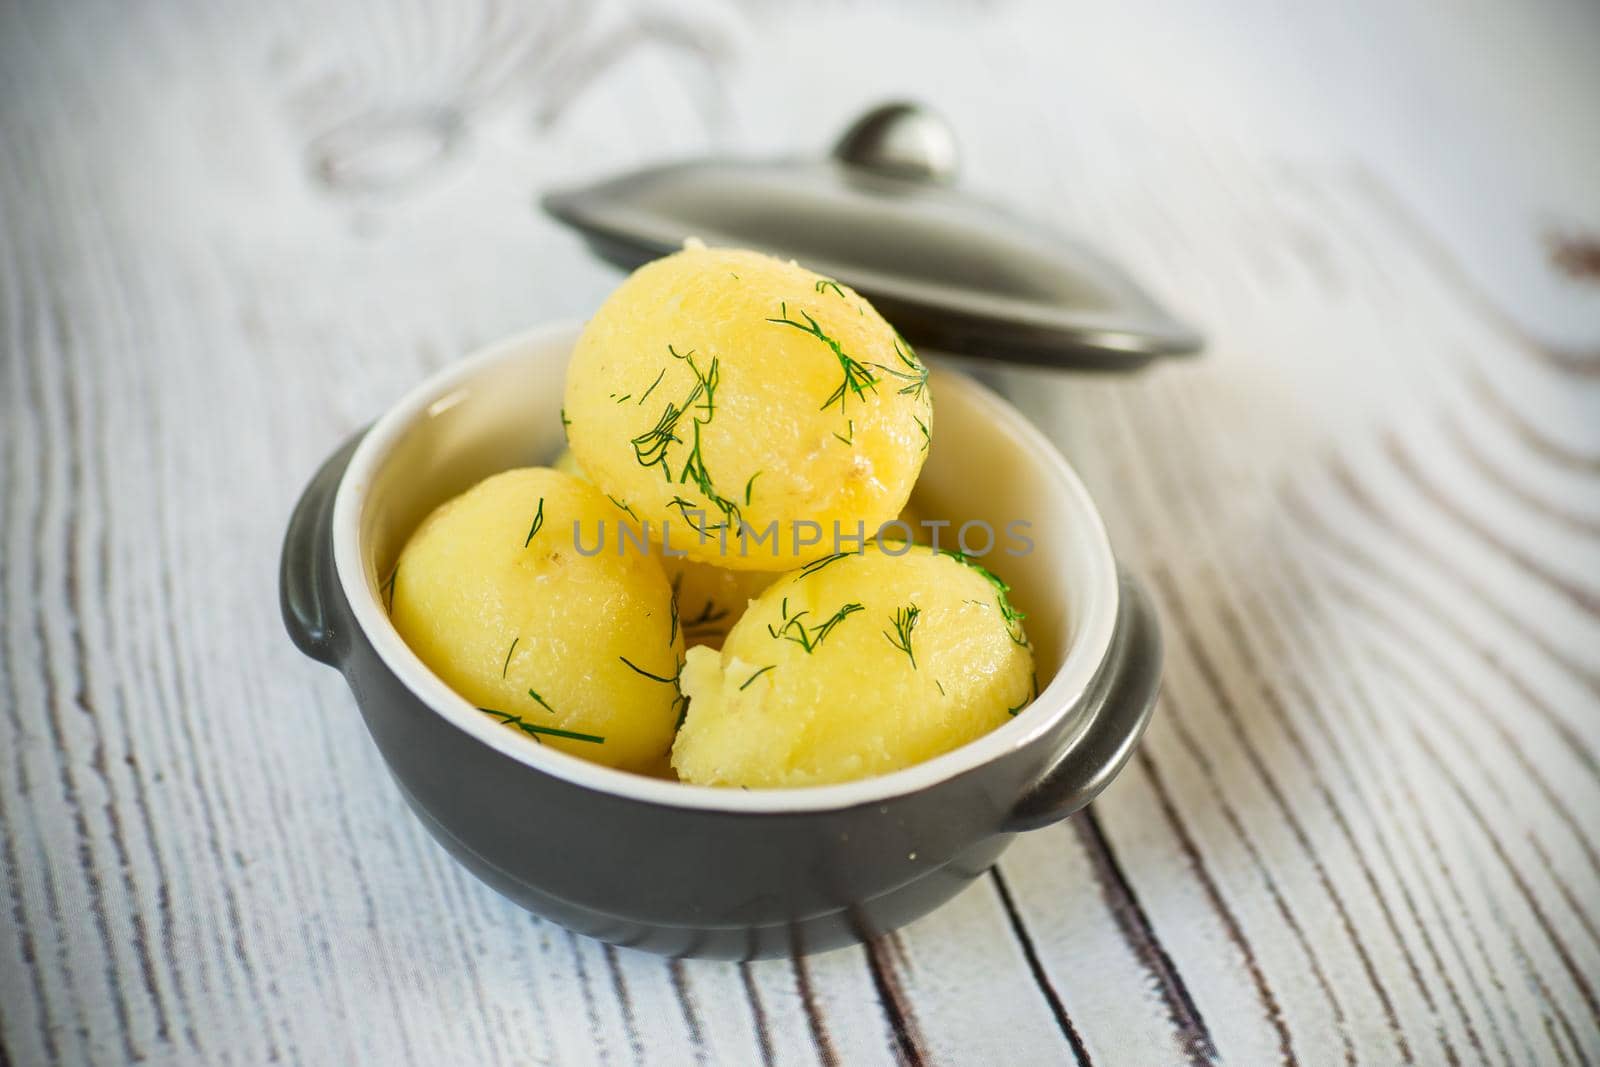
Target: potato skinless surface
(491, 593)
(856, 666)
(717, 389)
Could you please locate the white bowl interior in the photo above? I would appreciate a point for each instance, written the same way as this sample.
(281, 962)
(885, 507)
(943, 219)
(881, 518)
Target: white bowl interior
(501, 408)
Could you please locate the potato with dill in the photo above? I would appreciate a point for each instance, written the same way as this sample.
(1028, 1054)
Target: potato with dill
(742, 398)
(576, 651)
(853, 666)
(709, 598)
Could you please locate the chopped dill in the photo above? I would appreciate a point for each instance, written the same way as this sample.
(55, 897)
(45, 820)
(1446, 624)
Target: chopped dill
(915, 374)
(694, 469)
(857, 378)
(817, 564)
(927, 438)
(538, 521)
(624, 396)
(508, 719)
(688, 509)
(1033, 694)
(750, 485)
(1013, 618)
(541, 702)
(849, 437)
(707, 381)
(732, 275)
(828, 283)
(904, 622)
(623, 504)
(650, 448)
(636, 669)
(565, 422)
(679, 700)
(756, 675)
(646, 394)
(809, 637)
(940, 685)
(672, 634)
(507, 664)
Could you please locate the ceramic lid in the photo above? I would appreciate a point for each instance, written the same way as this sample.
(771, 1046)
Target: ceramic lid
(883, 215)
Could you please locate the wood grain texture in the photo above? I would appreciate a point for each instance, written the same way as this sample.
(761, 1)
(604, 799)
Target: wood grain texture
(1363, 827)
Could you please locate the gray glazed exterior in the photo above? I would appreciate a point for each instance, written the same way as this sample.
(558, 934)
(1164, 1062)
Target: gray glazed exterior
(685, 881)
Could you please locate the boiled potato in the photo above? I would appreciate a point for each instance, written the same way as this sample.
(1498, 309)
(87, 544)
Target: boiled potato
(580, 652)
(856, 665)
(724, 392)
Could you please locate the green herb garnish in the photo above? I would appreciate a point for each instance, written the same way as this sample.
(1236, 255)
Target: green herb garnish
(857, 378)
(904, 622)
(635, 668)
(508, 719)
(694, 469)
(651, 447)
(507, 664)
(809, 637)
(688, 508)
(849, 437)
(750, 485)
(538, 521)
(623, 504)
(1033, 694)
(679, 701)
(914, 374)
(756, 675)
(1013, 618)
(927, 438)
(645, 395)
(817, 564)
(828, 283)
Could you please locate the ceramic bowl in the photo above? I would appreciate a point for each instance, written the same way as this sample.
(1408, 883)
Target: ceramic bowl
(691, 870)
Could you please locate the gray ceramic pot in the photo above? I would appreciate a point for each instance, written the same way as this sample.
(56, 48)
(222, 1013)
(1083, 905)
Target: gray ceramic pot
(689, 870)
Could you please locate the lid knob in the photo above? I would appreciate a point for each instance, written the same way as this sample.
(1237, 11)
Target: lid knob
(903, 140)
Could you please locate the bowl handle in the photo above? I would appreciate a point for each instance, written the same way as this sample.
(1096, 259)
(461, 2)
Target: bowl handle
(308, 587)
(1116, 709)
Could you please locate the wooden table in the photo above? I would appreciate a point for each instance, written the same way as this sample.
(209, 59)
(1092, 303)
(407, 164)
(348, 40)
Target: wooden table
(1363, 826)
